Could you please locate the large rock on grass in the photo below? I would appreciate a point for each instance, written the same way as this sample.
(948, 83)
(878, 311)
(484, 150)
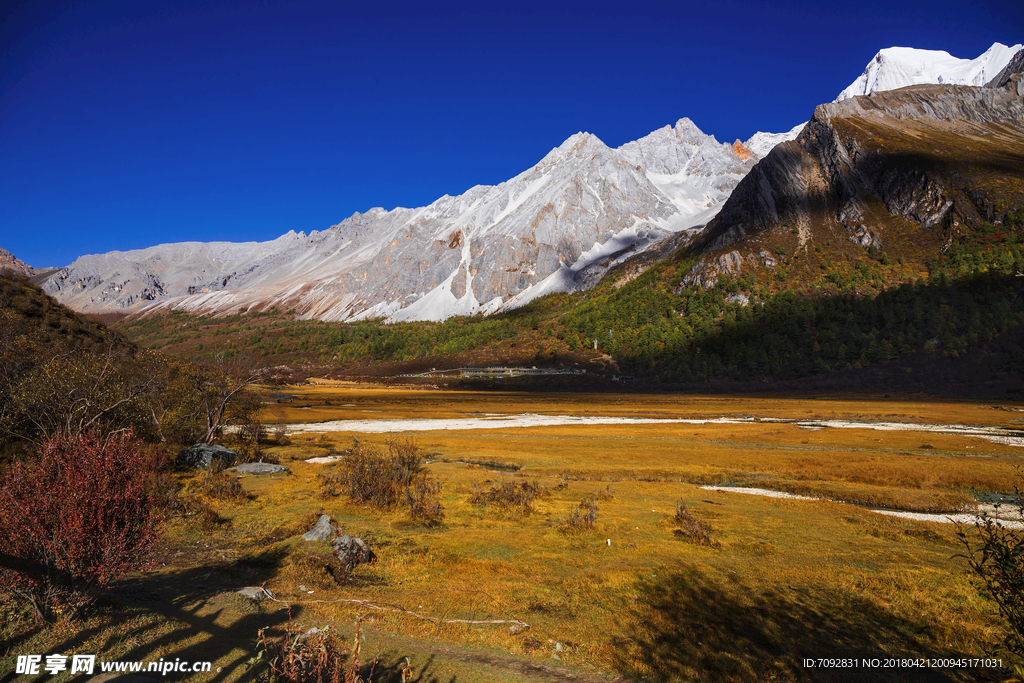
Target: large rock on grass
(322, 531)
(258, 468)
(353, 552)
(257, 593)
(204, 455)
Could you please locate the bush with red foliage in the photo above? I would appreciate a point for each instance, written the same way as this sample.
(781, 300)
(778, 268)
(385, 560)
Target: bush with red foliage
(74, 519)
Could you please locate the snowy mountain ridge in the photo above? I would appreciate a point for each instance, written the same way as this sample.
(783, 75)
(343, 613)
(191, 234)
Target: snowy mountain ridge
(897, 67)
(557, 226)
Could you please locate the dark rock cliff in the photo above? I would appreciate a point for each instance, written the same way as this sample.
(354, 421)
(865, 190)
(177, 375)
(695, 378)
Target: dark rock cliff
(912, 166)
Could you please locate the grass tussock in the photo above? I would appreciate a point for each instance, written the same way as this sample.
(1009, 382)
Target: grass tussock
(194, 499)
(219, 486)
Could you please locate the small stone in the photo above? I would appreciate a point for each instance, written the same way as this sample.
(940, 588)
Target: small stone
(311, 632)
(302, 588)
(516, 629)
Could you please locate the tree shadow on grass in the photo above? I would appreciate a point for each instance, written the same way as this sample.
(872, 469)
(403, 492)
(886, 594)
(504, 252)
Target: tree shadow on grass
(151, 615)
(194, 615)
(688, 627)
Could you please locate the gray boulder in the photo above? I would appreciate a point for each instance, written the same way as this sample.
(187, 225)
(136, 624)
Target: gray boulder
(203, 456)
(256, 593)
(352, 552)
(322, 531)
(258, 468)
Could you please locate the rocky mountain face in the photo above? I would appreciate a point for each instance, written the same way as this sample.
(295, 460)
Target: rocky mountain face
(898, 67)
(556, 227)
(10, 263)
(905, 170)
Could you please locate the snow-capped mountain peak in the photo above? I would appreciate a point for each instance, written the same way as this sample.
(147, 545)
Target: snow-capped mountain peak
(897, 67)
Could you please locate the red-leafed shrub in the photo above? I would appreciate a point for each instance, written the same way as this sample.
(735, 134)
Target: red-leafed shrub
(73, 520)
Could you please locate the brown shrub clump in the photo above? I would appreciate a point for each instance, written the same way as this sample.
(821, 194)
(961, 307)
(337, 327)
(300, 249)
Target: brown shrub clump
(692, 529)
(424, 499)
(385, 479)
(511, 495)
(583, 517)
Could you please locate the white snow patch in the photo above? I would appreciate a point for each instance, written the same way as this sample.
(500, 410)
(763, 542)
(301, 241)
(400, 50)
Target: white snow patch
(993, 434)
(761, 143)
(758, 492)
(439, 303)
(952, 518)
(486, 422)
(949, 519)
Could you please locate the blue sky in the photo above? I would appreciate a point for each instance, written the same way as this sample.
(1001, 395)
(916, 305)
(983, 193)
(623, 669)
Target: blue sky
(128, 124)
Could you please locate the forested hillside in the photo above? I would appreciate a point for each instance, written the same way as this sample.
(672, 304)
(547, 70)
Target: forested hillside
(844, 318)
(63, 375)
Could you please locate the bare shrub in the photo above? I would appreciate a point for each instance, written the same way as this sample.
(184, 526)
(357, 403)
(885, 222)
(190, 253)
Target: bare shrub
(424, 498)
(583, 517)
(510, 495)
(369, 476)
(407, 459)
(301, 656)
(995, 554)
(279, 433)
(692, 529)
(385, 479)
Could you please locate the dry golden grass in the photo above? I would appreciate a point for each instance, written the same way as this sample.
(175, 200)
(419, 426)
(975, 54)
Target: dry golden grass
(884, 576)
(790, 579)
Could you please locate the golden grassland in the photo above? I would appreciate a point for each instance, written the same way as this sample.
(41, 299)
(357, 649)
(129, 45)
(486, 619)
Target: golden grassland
(792, 579)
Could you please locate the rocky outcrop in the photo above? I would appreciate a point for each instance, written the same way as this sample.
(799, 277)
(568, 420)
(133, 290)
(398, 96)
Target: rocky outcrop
(934, 156)
(259, 469)
(1012, 75)
(11, 264)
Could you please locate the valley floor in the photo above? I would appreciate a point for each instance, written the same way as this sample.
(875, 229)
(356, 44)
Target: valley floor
(769, 584)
